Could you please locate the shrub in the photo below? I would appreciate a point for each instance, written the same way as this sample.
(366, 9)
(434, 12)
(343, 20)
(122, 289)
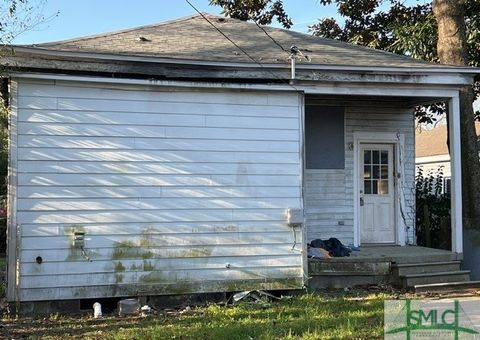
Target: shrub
(433, 228)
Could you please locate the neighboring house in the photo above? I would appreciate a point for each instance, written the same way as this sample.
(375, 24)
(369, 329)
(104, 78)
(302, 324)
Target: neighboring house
(162, 159)
(431, 153)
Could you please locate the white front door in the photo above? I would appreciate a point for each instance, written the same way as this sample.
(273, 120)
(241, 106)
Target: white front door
(377, 193)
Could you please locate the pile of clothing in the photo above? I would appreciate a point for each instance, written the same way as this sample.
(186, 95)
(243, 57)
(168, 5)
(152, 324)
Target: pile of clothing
(327, 248)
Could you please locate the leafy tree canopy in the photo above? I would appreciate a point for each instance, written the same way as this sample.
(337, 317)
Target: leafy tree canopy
(261, 11)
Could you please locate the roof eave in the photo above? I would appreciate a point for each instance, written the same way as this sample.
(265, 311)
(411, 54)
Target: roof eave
(443, 69)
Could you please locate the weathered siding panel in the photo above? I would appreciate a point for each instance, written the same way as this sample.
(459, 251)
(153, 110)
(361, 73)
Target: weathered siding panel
(177, 191)
(329, 194)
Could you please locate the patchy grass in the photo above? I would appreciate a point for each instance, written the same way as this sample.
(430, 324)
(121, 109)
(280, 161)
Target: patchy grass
(308, 316)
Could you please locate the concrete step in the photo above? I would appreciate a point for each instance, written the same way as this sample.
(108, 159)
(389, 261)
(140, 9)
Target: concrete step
(351, 268)
(418, 258)
(399, 270)
(411, 280)
(447, 287)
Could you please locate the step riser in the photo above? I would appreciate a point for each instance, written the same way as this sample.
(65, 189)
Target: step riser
(453, 287)
(425, 259)
(422, 269)
(412, 281)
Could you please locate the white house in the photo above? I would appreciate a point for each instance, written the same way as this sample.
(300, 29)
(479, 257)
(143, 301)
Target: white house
(163, 159)
(431, 153)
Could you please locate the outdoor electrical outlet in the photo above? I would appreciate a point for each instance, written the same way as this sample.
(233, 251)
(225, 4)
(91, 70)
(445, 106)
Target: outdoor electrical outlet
(79, 239)
(294, 217)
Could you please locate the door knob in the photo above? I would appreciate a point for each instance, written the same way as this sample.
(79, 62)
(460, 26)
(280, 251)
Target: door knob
(362, 202)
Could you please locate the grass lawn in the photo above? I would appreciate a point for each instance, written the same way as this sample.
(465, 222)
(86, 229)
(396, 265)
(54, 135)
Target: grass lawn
(307, 316)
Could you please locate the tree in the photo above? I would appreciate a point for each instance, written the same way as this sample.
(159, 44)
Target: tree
(259, 11)
(448, 33)
(19, 16)
(452, 49)
(16, 17)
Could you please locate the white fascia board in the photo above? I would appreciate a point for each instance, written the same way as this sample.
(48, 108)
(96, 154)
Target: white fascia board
(432, 159)
(162, 60)
(368, 89)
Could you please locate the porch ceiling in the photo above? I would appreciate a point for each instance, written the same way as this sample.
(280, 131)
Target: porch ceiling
(408, 102)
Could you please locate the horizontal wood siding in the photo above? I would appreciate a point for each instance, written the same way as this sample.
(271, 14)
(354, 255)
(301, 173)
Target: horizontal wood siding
(176, 191)
(329, 194)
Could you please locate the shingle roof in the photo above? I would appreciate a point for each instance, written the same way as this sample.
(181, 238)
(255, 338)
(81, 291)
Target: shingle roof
(434, 142)
(193, 38)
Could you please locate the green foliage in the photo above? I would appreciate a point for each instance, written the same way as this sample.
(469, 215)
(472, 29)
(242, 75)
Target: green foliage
(432, 223)
(391, 25)
(261, 11)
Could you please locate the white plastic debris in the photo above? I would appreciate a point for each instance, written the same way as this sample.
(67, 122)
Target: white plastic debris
(128, 306)
(97, 310)
(145, 310)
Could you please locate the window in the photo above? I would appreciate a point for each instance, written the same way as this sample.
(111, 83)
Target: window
(324, 137)
(375, 172)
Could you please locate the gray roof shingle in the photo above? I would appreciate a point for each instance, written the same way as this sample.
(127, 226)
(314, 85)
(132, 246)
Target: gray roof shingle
(193, 38)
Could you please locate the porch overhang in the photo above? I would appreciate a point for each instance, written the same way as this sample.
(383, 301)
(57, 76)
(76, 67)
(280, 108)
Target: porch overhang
(420, 94)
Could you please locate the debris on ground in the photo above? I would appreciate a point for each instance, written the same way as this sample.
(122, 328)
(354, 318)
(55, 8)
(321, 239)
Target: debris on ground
(333, 246)
(257, 296)
(128, 307)
(317, 253)
(146, 310)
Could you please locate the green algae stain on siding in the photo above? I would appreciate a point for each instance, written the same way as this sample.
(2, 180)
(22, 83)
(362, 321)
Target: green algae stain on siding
(198, 252)
(119, 267)
(148, 266)
(129, 250)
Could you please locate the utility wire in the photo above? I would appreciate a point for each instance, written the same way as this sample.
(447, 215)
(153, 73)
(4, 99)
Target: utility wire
(240, 48)
(219, 31)
(276, 42)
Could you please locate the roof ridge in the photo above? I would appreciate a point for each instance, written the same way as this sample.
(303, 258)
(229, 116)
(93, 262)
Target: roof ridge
(99, 35)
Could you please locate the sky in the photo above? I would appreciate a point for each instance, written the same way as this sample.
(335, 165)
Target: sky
(77, 18)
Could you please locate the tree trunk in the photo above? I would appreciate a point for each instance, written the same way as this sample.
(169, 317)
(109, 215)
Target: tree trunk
(452, 50)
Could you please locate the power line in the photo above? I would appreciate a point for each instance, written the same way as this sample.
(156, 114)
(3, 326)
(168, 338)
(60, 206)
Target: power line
(240, 48)
(276, 42)
(219, 31)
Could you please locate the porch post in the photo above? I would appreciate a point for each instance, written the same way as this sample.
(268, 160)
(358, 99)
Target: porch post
(456, 180)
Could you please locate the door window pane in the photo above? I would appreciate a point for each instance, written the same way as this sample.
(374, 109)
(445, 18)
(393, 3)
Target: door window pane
(376, 172)
(384, 172)
(383, 187)
(374, 187)
(384, 157)
(367, 187)
(375, 157)
(367, 157)
(367, 172)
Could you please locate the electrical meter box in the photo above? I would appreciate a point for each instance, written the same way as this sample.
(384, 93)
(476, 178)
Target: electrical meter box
(294, 217)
